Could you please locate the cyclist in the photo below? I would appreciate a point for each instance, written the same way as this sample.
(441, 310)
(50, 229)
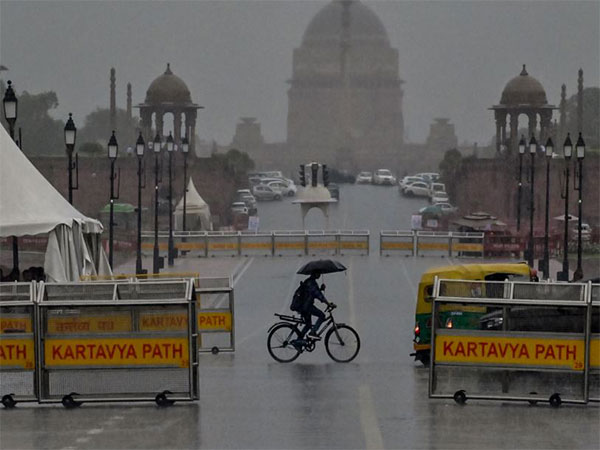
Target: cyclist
(309, 309)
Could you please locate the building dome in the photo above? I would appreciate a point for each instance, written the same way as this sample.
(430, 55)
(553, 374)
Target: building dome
(363, 25)
(168, 88)
(523, 90)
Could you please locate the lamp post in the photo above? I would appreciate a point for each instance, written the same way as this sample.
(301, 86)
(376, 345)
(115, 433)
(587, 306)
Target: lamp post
(140, 146)
(113, 151)
(521, 153)
(10, 104)
(156, 147)
(532, 150)
(580, 151)
(170, 146)
(549, 152)
(70, 134)
(567, 152)
(185, 147)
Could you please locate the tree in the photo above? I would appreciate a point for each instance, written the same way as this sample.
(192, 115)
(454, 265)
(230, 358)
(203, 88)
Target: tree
(42, 135)
(97, 128)
(450, 168)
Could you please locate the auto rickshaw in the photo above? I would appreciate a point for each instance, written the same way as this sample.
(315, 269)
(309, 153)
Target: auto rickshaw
(465, 317)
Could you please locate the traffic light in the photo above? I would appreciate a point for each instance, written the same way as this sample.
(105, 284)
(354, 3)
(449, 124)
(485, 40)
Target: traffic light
(302, 175)
(325, 175)
(314, 167)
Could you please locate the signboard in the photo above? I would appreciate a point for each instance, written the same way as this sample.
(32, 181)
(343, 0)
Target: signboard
(416, 221)
(15, 323)
(111, 352)
(105, 323)
(17, 353)
(253, 223)
(510, 351)
(207, 321)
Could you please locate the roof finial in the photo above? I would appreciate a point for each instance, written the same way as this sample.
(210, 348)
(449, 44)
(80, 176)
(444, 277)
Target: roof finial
(524, 71)
(168, 71)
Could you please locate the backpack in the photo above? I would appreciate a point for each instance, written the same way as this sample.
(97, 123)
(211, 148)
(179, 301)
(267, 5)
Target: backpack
(298, 300)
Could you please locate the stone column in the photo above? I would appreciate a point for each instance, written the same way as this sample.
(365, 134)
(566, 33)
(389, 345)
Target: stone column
(159, 121)
(514, 133)
(190, 123)
(545, 124)
(146, 116)
(532, 124)
(177, 125)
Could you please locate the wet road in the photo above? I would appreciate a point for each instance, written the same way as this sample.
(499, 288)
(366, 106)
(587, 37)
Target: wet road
(247, 400)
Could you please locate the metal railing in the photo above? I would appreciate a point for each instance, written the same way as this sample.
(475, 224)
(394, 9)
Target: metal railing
(431, 243)
(515, 341)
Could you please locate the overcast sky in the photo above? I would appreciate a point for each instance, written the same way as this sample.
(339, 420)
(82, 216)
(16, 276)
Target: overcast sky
(236, 56)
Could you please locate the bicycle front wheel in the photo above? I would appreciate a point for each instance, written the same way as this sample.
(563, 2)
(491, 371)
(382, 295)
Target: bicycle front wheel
(342, 343)
(280, 344)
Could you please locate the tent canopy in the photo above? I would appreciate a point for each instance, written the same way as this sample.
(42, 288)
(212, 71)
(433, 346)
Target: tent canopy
(195, 206)
(29, 204)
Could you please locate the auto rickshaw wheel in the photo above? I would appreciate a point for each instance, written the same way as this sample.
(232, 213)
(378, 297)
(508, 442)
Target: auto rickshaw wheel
(555, 400)
(8, 401)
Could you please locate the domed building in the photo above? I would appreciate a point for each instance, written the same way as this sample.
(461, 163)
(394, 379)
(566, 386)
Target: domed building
(345, 95)
(522, 95)
(169, 94)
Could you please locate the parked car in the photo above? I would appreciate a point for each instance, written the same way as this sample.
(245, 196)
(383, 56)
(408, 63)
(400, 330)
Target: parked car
(418, 189)
(436, 187)
(407, 180)
(586, 231)
(364, 178)
(334, 190)
(250, 203)
(239, 208)
(429, 177)
(264, 192)
(446, 207)
(286, 186)
(440, 197)
(383, 176)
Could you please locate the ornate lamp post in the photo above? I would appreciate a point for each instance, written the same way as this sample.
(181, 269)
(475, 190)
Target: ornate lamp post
(532, 150)
(10, 104)
(580, 151)
(170, 147)
(522, 145)
(140, 146)
(113, 151)
(549, 152)
(567, 152)
(70, 134)
(155, 260)
(185, 147)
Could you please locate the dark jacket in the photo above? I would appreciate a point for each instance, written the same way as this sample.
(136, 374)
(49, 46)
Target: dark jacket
(313, 291)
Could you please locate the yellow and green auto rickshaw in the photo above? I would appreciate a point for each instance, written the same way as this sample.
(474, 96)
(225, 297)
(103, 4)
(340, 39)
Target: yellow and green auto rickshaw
(466, 316)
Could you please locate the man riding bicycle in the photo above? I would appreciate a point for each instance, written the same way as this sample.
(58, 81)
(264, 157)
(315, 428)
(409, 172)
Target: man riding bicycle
(309, 309)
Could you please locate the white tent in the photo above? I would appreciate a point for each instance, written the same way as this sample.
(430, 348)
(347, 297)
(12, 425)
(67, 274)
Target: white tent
(30, 205)
(196, 210)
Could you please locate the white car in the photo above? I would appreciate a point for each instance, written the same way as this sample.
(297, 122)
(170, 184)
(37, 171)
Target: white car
(434, 188)
(408, 180)
(417, 189)
(446, 208)
(383, 176)
(281, 187)
(440, 197)
(429, 176)
(239, 208)
(264, 192)
(364, 178)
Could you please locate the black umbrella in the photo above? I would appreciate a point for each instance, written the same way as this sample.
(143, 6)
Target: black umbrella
(321, 266)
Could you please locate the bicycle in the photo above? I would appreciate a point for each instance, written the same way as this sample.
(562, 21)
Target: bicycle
(284, 343)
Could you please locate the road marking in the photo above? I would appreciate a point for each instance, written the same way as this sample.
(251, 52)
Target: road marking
(368, 418)
(409, 279)
(237, 275)
(95, 431)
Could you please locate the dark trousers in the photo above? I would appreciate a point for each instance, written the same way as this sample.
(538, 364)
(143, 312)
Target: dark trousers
(307, 316)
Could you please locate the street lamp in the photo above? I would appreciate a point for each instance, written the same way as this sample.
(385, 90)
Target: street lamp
(140, 146)
(70, 134)
(567, 152)
(185, 147)
(580, 151)
(10, 104)
(170, 146)
(549, 152)
(113, 151)
(155, 260)
(522, 145)
(532, 150)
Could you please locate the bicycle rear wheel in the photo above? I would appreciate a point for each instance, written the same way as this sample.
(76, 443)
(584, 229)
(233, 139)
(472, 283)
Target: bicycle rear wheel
(342, 343)
(280, 344)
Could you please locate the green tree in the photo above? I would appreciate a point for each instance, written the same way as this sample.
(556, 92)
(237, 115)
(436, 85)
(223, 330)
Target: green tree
(450, 168)
(97, 129)
(42, 135)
